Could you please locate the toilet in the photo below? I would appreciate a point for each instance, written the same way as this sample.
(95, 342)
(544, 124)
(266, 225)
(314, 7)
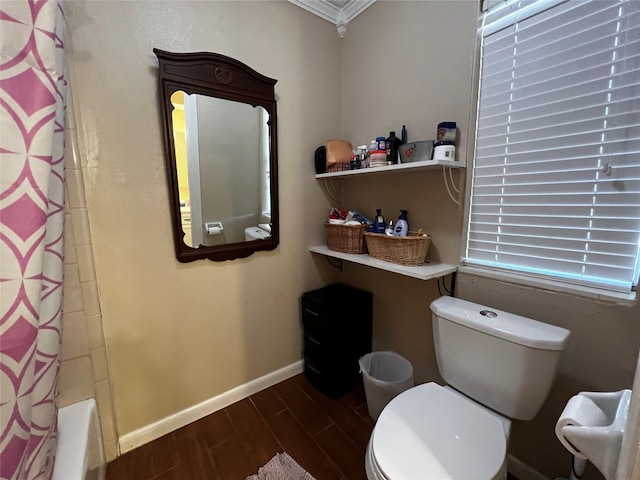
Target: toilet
(498, 366)
(261, 232)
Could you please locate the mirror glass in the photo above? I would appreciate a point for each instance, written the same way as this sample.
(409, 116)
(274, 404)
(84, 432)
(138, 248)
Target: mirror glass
(223, 174)
(221, 155)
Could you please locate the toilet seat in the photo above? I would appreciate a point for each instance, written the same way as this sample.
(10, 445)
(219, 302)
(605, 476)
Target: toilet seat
(430, 432)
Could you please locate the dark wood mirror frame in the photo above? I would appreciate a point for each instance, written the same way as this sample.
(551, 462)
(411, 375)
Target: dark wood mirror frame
(219, 76)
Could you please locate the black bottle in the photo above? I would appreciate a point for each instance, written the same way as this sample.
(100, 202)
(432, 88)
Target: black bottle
(393, 143)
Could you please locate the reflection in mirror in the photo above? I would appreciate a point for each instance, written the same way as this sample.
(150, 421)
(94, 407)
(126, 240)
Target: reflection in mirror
(233, 163)
(219, 120)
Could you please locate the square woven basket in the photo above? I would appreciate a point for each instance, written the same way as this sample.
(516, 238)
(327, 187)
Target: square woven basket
(345, 238)
(410, 250)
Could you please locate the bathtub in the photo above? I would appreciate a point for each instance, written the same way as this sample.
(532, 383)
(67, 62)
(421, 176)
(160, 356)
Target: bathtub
(80, 454)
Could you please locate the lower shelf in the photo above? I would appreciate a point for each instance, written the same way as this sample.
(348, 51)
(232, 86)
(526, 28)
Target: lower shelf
(423, 272)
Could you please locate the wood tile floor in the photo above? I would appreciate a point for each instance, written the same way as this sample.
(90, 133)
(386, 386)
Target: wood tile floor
(326, 437)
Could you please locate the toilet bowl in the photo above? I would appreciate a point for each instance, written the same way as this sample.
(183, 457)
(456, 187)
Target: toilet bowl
(497, 366)
(434, 432)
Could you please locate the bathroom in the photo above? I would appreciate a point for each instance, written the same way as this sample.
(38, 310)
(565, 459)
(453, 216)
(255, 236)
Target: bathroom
(150, 337)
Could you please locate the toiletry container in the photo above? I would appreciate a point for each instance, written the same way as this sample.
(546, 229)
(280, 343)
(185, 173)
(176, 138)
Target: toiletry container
(379, 225)
(444, 150)
(446, 132)
(378, 158)
(393, 144)
(402, 227)
(389, 229)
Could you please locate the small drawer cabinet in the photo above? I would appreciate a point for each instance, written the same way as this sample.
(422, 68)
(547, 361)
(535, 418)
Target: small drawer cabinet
(337, 332)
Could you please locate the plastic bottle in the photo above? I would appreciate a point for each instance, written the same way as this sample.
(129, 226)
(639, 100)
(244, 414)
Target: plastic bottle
(389, 229)
(402, 227)
(392, 143)
(373, 146)
(403, 134)
(379, 225)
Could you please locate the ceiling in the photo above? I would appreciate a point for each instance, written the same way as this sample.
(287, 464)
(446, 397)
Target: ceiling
(338, 12)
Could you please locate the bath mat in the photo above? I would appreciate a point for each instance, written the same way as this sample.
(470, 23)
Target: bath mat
(281, 467)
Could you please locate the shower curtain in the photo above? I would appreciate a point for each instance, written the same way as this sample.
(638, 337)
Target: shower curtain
(32, 102)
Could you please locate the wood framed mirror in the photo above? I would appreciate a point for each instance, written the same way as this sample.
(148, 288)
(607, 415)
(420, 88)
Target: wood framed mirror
(219, 121)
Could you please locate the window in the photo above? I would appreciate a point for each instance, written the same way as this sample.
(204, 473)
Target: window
(556, 179)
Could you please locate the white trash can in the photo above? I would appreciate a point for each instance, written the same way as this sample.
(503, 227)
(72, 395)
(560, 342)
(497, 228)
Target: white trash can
(385, 375)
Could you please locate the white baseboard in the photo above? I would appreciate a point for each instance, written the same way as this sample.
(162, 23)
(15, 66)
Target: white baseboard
(143, 435)
(522, 471)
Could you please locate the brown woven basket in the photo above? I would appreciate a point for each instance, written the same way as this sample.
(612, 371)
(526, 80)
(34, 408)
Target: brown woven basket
(410, 250)
(345, 238)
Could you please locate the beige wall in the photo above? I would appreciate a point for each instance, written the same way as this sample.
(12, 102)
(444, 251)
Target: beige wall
(402, 64)
(412, 63)
(179, 334)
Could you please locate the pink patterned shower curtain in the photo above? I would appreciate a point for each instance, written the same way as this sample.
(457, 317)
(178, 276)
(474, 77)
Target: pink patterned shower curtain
(32, 102)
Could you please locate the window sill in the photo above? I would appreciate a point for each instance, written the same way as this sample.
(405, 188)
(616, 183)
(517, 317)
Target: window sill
(522, 279)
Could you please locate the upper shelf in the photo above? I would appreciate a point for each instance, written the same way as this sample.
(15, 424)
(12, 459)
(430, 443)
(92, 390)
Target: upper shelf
(400, 167)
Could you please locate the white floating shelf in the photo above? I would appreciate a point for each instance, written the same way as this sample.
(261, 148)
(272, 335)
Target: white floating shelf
(423, 272)
(401, 167)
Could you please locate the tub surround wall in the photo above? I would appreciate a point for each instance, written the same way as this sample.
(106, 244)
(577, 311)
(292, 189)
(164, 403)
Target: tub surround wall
(84, 371)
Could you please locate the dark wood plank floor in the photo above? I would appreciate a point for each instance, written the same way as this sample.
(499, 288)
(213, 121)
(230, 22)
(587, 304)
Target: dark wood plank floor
(326, 437)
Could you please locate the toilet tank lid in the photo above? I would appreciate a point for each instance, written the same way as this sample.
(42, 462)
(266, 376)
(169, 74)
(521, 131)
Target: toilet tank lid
(508, 326)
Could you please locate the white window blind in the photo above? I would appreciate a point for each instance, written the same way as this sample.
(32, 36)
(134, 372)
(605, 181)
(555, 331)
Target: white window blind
(556, 178)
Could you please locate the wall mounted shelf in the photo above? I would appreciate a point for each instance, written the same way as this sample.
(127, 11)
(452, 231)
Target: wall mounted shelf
(424, 272)
(401, 167)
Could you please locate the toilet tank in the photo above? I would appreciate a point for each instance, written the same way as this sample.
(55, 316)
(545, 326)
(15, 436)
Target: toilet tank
(501, 360)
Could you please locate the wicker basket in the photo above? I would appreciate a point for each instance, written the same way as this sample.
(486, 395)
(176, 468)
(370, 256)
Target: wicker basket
(410, 250)
(345, 238)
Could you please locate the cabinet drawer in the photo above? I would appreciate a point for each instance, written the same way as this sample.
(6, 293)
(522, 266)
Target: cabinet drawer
(316, 317)
(333, 383)
(329, 352)
(315, 344)
(336, 364)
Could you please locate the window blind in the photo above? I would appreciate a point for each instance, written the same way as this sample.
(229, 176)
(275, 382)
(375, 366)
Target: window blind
(556, 177)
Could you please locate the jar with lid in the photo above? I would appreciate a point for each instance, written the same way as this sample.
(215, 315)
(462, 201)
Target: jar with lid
(446, 132)
(445, 150)
(378, 158)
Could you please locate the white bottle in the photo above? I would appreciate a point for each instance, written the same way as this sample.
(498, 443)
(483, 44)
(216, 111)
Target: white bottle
(401, 229)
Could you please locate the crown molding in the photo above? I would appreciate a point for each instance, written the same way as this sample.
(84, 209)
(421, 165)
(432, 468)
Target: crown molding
(339, 16)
